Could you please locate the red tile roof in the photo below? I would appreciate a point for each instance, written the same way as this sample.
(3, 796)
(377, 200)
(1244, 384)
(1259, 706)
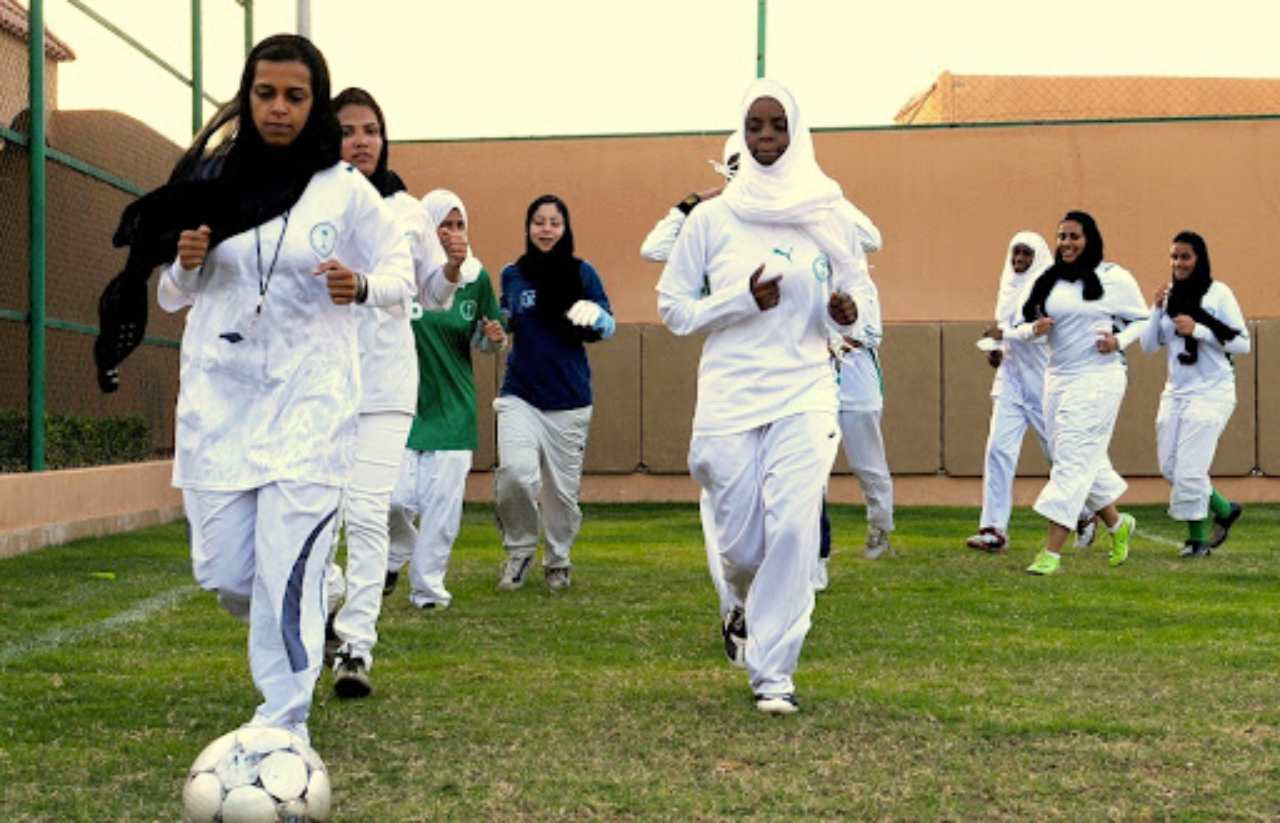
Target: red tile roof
(13, 20)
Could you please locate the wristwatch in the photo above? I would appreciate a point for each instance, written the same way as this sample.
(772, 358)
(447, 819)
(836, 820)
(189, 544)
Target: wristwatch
(686, 205)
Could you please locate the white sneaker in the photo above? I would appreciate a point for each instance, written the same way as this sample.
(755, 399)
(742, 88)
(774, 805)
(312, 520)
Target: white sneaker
(777, 703)
(1086, 530)
(557, 578)
(877, 543)
(820, 575)
(514, 571)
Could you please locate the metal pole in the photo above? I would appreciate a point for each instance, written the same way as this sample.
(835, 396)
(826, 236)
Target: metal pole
(36, 252)
(248, 26)
(197, 69)
(304, 18)
(762, 14)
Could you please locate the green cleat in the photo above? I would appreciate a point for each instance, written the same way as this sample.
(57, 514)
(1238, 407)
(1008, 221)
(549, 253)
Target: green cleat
(1046, 562)
(1120, 539)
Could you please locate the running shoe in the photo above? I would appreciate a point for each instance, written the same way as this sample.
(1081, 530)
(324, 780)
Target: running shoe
(1046, 563)
(989, 539)
(1120, 539)
(1222, 526)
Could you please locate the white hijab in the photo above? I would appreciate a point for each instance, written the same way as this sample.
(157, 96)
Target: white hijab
(795, 190)
(1012, 284)
(438, 203)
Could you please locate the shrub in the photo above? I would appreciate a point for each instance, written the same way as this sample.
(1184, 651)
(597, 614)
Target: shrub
(74, 441)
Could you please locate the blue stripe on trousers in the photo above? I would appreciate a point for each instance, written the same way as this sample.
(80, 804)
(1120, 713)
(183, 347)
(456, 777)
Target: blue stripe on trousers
(291, 616)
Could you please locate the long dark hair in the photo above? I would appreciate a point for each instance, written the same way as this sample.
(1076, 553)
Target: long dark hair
(1185, 297)
(251, 184)
(383, 179)
(556, 275)
(1084, 268)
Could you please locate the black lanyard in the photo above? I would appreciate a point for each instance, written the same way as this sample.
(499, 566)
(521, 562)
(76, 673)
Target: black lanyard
(265, 282)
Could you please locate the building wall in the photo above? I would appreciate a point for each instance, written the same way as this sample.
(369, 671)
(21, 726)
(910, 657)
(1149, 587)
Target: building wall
(13, 80)
(948, 200)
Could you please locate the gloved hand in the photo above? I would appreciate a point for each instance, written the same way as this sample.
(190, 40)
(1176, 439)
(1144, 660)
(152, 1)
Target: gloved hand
(584, 313)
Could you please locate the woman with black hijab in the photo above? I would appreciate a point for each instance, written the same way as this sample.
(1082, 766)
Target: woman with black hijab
(1089, 310)
(1200, 323)
(555, 303)
(273, 248)
(389, 393)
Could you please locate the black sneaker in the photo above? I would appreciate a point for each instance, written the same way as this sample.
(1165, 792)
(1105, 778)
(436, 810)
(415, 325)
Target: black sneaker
(777, 703)
(331, 642)
(351, 677)
(734, 632)
(1194, 548)
(389, 585)
(1222, 526)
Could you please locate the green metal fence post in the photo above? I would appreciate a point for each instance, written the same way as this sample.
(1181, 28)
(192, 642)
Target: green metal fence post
(248, 26)
(197, 69)
(762, 15)
(36, 174)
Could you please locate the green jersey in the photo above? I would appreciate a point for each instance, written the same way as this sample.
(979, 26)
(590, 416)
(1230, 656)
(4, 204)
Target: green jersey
(446, 416)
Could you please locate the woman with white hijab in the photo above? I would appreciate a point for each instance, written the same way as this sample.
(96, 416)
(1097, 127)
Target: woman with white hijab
(779, 254)
(1017, 392)
(433, 473)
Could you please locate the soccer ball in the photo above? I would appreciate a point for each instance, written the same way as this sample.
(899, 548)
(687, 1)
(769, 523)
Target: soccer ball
(257, 774)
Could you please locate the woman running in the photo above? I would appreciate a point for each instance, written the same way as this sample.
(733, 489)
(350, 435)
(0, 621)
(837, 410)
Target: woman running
(389, 390)
(556, 304)
(433, 473)
(1199, 322)
(753, 269)
(272, 253)
(1090, 311)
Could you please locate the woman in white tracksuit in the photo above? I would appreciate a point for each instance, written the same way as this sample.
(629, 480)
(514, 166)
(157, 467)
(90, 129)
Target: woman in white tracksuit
(753, 269)
(389, 394)
(1090, 311)
(861, 406)
(1199, 322)
(270, 385)
(1017, 392)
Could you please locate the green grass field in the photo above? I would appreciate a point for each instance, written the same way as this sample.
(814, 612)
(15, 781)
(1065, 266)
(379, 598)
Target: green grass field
(938, 683)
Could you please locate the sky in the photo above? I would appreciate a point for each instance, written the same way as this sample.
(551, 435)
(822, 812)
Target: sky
(504, 68)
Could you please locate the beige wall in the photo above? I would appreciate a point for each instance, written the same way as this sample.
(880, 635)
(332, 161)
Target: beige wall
(947, 200)
(13, 80)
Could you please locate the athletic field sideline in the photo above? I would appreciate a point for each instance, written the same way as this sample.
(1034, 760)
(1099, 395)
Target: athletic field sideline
(938, 683)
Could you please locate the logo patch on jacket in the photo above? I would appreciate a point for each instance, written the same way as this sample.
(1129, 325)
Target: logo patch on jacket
(324, 238)
(821, 268)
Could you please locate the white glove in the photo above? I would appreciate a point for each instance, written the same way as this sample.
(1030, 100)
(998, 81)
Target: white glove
(584, 313)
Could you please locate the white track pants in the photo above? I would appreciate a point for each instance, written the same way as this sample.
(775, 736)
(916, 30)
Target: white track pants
(1009, 421)
(723, 593)
(864, 449)
(1187, 432)
(430, 489)
(539, 477)
(379, 448)
(1080, 415)
(764, 489)
(264, 552)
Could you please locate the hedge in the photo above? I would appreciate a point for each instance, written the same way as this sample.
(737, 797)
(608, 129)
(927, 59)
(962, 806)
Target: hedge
(73, 441)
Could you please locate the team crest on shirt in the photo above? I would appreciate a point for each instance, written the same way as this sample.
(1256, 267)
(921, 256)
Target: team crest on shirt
(323, 237)
(528, 299)
(415, 310)
(467, 308)
(821, 268)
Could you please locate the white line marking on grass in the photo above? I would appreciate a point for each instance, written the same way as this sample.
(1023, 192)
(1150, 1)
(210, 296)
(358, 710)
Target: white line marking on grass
(1155, 538)
(60, 637)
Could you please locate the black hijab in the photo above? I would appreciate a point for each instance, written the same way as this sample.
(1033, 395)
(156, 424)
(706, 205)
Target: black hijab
(1083, 268)
(556, 275)
(383, 179)
(1185, 297)
(251, 184)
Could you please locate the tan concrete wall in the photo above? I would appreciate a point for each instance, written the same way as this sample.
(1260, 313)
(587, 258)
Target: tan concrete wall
(49, 508)
(947, 200)
(1267, 354)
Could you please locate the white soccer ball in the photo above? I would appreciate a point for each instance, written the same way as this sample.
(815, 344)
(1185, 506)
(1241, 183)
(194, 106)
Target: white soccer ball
(257, 774)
